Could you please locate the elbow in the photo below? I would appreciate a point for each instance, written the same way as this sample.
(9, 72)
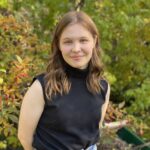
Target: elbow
(25, 142)
(20, 137)
(24, 138)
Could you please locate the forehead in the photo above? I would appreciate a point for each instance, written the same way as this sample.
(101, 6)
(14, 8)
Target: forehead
(75, 30)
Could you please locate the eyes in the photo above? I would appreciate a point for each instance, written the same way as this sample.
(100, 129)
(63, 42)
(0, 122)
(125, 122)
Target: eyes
(81, 41)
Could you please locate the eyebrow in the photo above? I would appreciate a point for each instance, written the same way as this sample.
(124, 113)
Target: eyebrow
(67, 38)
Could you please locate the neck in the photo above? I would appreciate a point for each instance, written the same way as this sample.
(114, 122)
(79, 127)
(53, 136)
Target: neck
(75, 72)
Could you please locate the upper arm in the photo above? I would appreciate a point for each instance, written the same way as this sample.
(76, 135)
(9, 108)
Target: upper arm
(107, 96)
(31, 110)
(105, 105)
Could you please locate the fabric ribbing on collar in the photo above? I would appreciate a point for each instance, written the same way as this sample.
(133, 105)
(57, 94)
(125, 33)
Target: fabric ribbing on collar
(75, 72)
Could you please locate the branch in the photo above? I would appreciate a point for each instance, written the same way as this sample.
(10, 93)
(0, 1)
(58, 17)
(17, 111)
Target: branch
(79, 5)
(117, 124)
(141, 146)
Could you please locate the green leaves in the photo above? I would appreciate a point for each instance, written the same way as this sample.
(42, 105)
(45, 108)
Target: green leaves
(20, 52)
(3, 3)
(142, 95)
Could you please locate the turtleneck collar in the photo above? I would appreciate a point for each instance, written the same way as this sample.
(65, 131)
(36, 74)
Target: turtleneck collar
(75, 72)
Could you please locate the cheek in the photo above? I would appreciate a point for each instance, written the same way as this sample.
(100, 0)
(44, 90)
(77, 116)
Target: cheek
(65, 49)
(88, 48)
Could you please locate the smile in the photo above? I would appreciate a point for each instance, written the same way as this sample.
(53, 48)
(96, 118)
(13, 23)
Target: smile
(76, 57)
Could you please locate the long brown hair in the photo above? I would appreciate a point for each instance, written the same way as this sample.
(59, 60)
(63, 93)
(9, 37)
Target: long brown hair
(55, 77)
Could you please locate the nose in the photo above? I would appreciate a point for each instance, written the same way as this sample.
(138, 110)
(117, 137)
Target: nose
(76, 47)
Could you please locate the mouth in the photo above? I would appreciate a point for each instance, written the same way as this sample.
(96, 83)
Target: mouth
(76, 57)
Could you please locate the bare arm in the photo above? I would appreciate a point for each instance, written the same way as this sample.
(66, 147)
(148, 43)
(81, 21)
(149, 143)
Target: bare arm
(104, 106)
(31, 110)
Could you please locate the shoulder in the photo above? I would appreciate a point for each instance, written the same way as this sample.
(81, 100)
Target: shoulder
(35, 91)
(36, 86)
(105, 88)
(39, 77)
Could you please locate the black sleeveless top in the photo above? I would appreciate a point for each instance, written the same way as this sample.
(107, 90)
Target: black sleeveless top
(71, 121)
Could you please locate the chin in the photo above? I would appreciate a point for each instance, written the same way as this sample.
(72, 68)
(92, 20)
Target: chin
(80, 67)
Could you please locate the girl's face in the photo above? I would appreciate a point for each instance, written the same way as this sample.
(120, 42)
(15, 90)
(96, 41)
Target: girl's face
(76, 45)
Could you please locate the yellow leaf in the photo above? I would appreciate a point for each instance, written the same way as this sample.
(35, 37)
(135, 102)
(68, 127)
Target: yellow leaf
(1, 80)
(19, 59)
(146, 20)
(3, 70)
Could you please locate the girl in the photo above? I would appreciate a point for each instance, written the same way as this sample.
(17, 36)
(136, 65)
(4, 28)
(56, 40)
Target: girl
(65, 106)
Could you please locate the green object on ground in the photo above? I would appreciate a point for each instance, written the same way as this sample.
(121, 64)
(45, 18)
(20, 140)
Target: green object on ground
(130, 137)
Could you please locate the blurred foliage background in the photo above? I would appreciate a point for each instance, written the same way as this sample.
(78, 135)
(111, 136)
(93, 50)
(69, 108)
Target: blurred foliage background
(26, 28)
